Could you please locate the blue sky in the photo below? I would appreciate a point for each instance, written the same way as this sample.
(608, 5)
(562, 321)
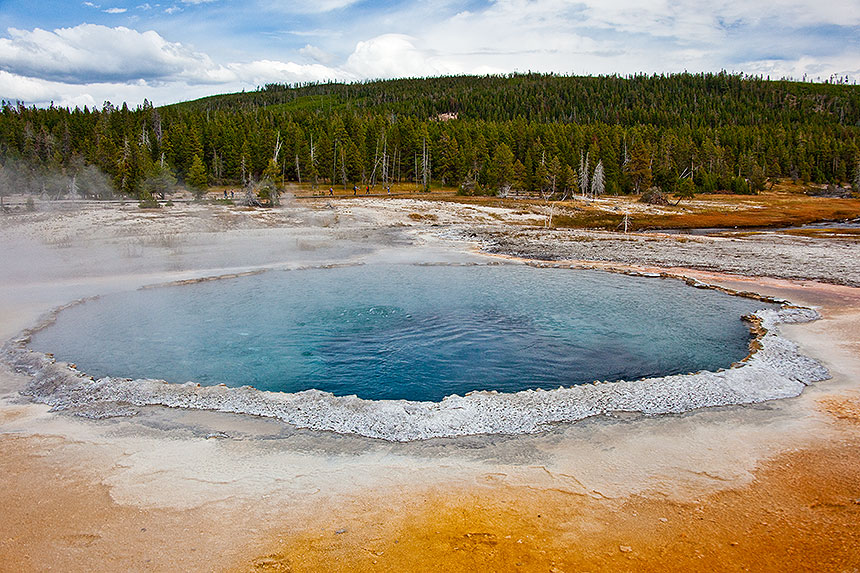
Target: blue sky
(83, 53)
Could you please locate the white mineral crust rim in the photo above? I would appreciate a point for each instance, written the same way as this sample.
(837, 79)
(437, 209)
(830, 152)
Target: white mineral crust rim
(776, 370)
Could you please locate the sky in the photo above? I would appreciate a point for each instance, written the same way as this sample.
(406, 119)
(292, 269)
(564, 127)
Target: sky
(85, 53)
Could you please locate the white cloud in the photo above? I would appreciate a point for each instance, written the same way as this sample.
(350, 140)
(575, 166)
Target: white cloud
(115, 11)
(514, 35)
(92, 53)
(261, 72)
(813, 69)
(328, 33)
(14, 87)
(629, 36)
(41, 92)
(686, 19)
(308, 7)
(395, 55)
(777, 13)
(92, 62)
(317, 54)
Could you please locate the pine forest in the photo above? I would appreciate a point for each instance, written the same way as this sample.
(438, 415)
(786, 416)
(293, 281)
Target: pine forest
(525, 133)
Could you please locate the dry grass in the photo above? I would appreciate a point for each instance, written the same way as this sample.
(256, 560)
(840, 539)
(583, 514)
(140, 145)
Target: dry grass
(766, 210)
(423, 216)
(786, 206)
(850, 234)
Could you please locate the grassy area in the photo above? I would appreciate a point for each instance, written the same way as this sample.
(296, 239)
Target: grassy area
(397, 189)
(783, 206)
(766, 210)
(825, 233)
(306, 190)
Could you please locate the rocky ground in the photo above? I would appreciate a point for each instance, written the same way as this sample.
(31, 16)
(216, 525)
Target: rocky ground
(768, 254)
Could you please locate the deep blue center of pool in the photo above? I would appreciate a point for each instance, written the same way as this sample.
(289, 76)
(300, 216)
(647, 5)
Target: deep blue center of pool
(405, 331)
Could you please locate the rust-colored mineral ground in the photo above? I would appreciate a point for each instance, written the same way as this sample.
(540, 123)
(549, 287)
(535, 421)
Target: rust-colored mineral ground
(57, 516)
(801, 513)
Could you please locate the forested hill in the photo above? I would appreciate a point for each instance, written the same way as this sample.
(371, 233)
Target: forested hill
(704, 100)
(537, 133)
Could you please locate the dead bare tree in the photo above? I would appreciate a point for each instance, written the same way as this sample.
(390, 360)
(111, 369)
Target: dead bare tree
(376, 164)
(277, 150)
(583, 173)
(598, 181)
(425, 168)
(547, 189)
(384, 161)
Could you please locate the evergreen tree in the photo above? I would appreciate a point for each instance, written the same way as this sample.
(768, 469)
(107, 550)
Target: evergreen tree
(553, 173)
(501, 172)
(686, 189)
(272, 172)
(739, 186)
(568, 181)
(159, 180)
(520, 177)
(757, 178)
(197, 179)
(451, 168)
(542, 179)
(857, 177)
(639, 167)
(127, 173)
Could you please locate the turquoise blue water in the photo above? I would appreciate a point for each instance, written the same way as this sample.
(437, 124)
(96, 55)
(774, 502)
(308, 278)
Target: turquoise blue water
(405, 331)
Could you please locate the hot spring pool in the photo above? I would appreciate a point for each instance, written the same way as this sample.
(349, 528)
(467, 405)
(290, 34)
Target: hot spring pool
(405, 331)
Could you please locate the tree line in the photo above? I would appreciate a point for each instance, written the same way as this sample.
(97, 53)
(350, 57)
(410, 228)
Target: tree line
(533, 133)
